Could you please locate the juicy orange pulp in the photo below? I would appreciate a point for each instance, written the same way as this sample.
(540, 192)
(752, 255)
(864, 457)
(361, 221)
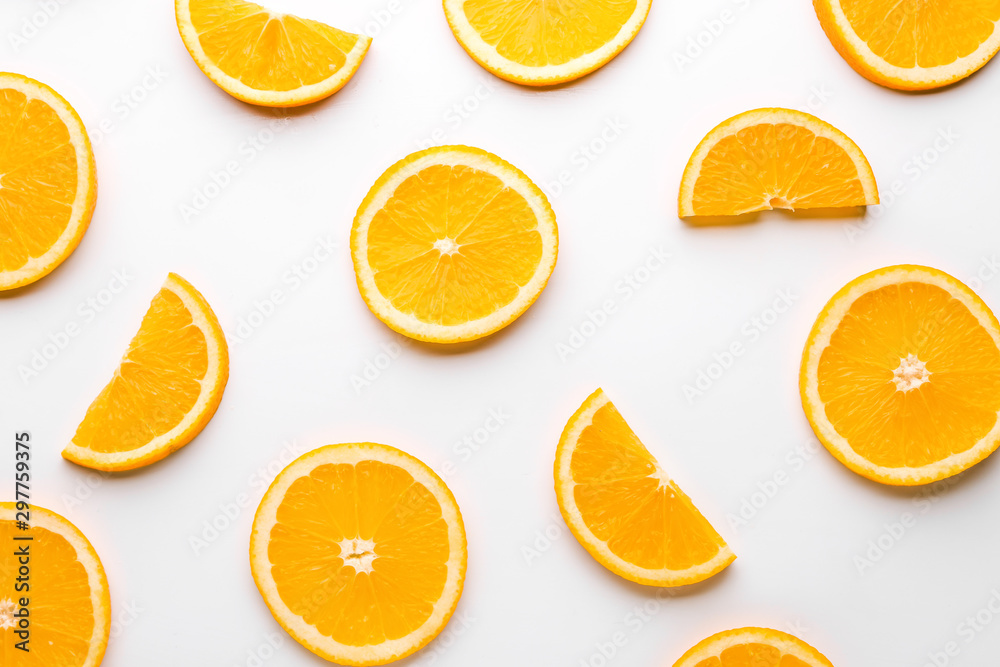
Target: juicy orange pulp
(752, 655)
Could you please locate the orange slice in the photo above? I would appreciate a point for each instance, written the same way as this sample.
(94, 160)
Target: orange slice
(912, 44)
(901, 376)
(48, 183)
(774, 158)
(753, 647)
(359, 551)
(266, 58)
(539, 44)
(624, 509)
(68, 610)
(452, 244)
(165, 390)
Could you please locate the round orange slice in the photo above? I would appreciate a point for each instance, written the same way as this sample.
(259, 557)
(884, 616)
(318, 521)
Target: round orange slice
(166, 388)
(753, 647)
(452, 244)
(359, 551)
(68, 610)
(900, 376)
(48, 182)
(624, 508)
(539, 44)
(267, 58)
(912, 44)
(774, 159)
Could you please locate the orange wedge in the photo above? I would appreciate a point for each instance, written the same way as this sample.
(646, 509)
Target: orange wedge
(912, 44)
(48, 183)
(68, 606)
(165, 390)
(266, 58)
(774, 159)
(900, 376)
(359, 551)
(452, 244)
(753, 647)
(540, 44)
(624, 509)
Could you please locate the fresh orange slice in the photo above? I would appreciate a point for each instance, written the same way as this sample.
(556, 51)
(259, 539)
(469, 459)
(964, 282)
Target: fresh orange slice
(541, 43)
(912, 44)
(68, 610)
(266, 58)
(901, 376)
(774, 158)
(624, 508)
(48, 183)
(359, 551)
(165, 390)
(452, 244)
(753, 647)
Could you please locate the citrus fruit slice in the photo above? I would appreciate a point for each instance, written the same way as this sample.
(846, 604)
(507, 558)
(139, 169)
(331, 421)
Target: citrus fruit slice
(359, 552)
(165, 390)
(900, 376)
(48, 183)
(775, 159)
(912, 44)
(753, 647)
(266, 58)
(68, 610)
(624, 509)
(452, 244)
(539, 44)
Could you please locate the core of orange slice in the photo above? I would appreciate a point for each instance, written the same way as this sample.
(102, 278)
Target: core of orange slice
(359, 551)
(537, 43)
(266, 58)
(912, 44)
(900, 376)
(452, 244)
(165, 390)
(48, 183)
(753, 647)
(624, 508)
(774, 159)
(68, 608)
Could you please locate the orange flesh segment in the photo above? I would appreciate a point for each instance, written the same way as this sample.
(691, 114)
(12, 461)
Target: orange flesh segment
(368, 501)
(265, 50)
(922, 33)
(947, 414)
(497, 247)
(752, 655)
(156, 385)
(38, 178)
(60, 607)
(535, 34)
(622, 501)
(781, 165)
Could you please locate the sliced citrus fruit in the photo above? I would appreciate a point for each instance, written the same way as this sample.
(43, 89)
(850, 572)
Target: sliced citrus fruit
(266, 58)
(900, 376)
(753, 647)
(68, 607)
(359, 551)
(48, 183)
(912, 44)
(775, 158)
(624, 509)
(539, 44)
(165, 390)
(452, 244)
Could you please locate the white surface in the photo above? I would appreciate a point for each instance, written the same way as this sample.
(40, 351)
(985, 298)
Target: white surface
(291, 380)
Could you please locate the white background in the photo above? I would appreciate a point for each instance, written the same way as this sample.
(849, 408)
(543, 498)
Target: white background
(291, 379)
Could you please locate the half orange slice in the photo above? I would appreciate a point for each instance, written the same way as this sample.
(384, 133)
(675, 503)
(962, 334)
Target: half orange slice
(753, 647)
